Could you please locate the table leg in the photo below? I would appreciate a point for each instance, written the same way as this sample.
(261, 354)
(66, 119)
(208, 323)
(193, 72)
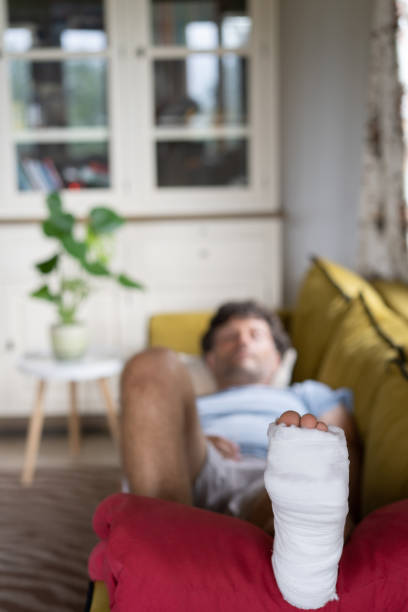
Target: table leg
(73, 421)
(34, 436)
(111, 411)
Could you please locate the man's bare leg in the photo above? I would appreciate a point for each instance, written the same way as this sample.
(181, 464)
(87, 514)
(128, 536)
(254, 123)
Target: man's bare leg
(163, 446)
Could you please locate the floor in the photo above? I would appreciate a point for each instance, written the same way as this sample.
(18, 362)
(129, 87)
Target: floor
(46, 529)
(96, 449)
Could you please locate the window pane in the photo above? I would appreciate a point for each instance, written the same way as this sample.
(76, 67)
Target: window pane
(201, 90)
(200, 24)
(202, 163)
(74, 165)
(73, 25)
(59, 94)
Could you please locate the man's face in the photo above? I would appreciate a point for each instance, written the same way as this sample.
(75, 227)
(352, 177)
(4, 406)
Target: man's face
(243, 353)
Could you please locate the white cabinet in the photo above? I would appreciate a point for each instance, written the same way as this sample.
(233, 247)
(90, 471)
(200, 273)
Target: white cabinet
(178, 117)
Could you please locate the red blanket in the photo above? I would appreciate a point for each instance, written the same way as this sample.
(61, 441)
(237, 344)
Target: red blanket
(158, 556)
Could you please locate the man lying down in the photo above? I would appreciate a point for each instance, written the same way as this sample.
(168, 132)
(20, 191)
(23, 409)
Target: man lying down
(279, 458)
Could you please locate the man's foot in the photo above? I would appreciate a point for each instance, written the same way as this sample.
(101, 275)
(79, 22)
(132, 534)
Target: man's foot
(307, 481)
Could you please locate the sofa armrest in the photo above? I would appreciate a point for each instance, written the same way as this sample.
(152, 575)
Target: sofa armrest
(100, 598)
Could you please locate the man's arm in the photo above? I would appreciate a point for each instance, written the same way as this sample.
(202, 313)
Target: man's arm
(340, 416)
(227, 448)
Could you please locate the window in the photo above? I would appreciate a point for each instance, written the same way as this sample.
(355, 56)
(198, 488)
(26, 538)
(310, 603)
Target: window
(161, 106)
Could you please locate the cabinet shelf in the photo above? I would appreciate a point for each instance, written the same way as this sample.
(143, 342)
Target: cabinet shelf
(61, 135)
(193, 133)
(54, 53)
(182, 52)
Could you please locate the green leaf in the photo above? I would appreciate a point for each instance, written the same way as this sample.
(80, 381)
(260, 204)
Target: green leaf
(104, 220)
(58, 226)
(64, 222)
(128, 282)
(74, 247)
(100, 246)
(47, 266)
(50, 229)
(95, 267)
(54, 203)
(44, 293)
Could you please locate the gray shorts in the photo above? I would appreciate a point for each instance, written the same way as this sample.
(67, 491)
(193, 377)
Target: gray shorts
(228, 486)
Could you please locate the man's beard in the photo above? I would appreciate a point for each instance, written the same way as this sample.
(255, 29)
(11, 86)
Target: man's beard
(240, 375)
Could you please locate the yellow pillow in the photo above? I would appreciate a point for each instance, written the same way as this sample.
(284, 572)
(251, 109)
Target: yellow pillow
(394, 294)
(321, 304)
(179, 331)
(348, 282)
(391, 325)
(385, 470)
(357, 358)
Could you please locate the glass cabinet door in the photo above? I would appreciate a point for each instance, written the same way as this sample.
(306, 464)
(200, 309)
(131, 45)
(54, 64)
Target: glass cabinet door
(200, 55)
(167, 107)
(57, 56)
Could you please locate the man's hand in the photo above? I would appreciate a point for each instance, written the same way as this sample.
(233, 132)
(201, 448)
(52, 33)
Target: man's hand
(227, 448)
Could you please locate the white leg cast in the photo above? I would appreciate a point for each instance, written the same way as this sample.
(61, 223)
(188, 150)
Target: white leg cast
(307, 480)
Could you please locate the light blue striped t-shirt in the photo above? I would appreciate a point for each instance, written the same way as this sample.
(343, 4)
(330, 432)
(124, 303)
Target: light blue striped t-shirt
(242, 414)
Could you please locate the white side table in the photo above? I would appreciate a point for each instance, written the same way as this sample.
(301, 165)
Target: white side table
(46, 368)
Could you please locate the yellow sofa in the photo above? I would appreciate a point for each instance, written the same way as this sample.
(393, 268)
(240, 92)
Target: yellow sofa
(347, 332)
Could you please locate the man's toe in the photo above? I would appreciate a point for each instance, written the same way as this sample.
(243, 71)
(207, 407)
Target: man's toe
(290, 417)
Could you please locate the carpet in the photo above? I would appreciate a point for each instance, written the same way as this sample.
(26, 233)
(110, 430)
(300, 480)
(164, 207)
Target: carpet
(46, 536)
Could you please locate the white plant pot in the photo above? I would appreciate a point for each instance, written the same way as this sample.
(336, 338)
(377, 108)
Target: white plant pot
(69, 341)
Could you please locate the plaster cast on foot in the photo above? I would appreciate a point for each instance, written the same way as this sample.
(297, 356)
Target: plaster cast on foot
(307, 480)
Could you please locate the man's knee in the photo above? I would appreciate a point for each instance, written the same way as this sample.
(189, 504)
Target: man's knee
(156, 367)
(151, 362)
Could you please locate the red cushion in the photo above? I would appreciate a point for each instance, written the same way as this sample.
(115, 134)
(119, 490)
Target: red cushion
(160, 556)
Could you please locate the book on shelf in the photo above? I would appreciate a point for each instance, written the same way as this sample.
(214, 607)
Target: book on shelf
(39, 174)
(53, 173)
(34, 174)
(24, 183)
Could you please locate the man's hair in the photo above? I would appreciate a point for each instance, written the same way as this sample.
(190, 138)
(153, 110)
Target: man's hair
(244, 310)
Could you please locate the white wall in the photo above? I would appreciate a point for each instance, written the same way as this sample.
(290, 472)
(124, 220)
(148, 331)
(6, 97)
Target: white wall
(185, 265)
(324, 63)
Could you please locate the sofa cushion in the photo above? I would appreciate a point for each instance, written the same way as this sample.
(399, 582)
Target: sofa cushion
(385, 469)
(158, 555)
(394, 294)
(321, 305)
(358, 356)
(180, 331)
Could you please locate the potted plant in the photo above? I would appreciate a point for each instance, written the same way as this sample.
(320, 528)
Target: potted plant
(83, 250)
